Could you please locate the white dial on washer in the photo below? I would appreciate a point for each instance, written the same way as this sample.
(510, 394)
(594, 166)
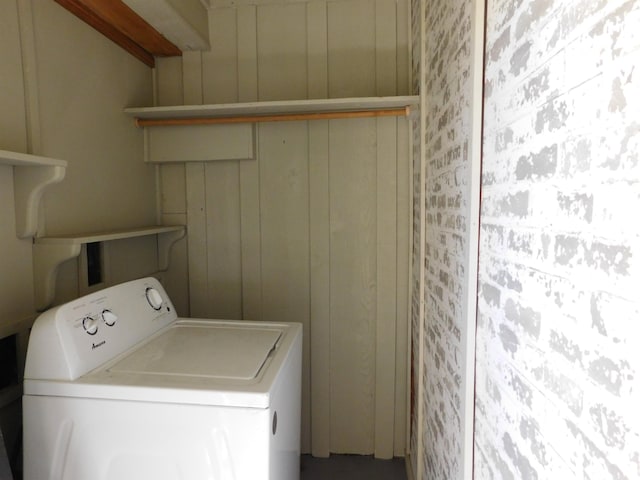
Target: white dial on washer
(109, 318)
(154, 298)
(90, 325)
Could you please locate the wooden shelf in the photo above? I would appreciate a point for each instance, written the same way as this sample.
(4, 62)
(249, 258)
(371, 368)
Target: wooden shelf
(50, 252)
(251, 110)
(79, 239)
(26, 160)
(32, 174)
(225, 132)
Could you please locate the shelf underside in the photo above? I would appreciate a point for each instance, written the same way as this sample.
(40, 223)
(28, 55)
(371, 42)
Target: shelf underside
(274, 107)
(27, 160)
(79, 239)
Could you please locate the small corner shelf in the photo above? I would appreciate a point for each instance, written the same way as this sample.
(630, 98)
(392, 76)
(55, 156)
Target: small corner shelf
(285, 110)
(50, 252)
(32, 174)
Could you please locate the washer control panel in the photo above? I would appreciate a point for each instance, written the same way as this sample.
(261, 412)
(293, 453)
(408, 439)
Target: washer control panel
(92, 330)
(92, 324)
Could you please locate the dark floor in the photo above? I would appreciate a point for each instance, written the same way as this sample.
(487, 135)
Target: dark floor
(351, 467)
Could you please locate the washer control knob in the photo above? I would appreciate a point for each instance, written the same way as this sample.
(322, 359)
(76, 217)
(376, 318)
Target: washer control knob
(90, 325)
(154, 298)
(109, 318)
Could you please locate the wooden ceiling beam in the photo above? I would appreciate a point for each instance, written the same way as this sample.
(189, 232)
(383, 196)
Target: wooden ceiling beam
(123, 26)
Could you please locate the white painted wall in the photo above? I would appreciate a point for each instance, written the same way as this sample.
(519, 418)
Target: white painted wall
(62, 90)
(447, 67)
(557, 357)
(81, 83)
(16, 288)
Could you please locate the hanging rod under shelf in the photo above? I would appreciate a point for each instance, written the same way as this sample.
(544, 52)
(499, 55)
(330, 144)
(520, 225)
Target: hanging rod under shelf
(285, 117)
(274, 111)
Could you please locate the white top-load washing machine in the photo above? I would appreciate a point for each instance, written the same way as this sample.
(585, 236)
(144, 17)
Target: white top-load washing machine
(118, 387)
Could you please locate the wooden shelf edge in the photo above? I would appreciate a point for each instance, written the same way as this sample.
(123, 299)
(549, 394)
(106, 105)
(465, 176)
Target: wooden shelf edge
(334, 105)
(17, 159)
(282, 117)
(81, 238)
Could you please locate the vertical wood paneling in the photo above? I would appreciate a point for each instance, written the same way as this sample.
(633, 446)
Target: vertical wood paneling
(282, 34)
(173, 205)
(168, 74)
(172, 182)
(386, 286)
(197, 239)
(220, 63)
(403, 40)
(317, 81)
(196, 189)
(284, 200)
(222, 297)
(320, 295)
(284, 217)
(224, 293)
(247, 54)
(307, 231)
(176, 279)
(249, 171)
(173, 189)
(352, 166)
(192, 77)
(386, 71)
(223, 193)
(319, 437)
(250, 232)
(352, 56)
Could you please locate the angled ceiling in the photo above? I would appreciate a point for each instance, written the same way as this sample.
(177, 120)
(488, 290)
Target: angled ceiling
(147, 28)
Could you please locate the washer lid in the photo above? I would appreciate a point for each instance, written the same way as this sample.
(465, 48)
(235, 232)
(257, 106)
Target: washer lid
(206, 351)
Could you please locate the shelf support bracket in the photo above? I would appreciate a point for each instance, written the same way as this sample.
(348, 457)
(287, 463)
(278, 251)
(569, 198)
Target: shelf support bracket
(30, 183)
(50, 252)
(46, 260)
(166, 241)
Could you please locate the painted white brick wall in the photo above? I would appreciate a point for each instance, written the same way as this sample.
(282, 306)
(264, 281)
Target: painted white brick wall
(417, 242)
(559, 302)
(447, 91)
(558, 359)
